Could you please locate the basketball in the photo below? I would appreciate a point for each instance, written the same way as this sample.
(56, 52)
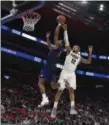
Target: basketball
(61, 19)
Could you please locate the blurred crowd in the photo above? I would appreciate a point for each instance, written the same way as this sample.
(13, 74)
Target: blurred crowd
(20, 106)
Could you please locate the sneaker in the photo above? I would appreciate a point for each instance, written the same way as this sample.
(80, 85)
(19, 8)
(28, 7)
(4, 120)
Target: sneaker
(53, 113)
(44, 102)
(73, 111)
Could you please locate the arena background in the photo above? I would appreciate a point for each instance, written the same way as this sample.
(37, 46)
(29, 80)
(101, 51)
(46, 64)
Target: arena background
(87, 25)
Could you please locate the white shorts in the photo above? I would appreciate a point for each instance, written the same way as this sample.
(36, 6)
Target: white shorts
(70, 78)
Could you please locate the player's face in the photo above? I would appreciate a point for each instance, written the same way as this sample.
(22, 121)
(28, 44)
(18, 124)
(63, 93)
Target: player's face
(76, 49)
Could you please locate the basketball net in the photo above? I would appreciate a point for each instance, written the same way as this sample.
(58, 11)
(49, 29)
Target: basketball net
(30, 19)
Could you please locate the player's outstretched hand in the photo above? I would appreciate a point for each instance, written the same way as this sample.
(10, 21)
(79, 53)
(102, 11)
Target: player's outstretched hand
(90, 48)
(48, 34)
(64, 26)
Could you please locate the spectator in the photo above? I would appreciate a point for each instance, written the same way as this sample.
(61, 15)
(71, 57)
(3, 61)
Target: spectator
(21, 108)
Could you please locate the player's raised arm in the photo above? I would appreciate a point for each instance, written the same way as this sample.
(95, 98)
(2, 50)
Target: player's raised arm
(48, 40)
(66, 40)
(87, 61)
(56, 35)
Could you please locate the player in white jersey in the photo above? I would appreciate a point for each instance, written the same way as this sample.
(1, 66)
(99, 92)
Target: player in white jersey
(67, 77)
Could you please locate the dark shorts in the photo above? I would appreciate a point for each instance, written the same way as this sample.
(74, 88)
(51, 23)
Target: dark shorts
(48, 75)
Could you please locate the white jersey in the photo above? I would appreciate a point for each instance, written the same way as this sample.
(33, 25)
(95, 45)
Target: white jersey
(71, 62)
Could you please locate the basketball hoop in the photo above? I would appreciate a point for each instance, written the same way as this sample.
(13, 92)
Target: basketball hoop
(30, 19)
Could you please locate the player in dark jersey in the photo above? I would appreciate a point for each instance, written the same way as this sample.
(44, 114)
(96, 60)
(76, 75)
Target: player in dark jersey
(48, 73)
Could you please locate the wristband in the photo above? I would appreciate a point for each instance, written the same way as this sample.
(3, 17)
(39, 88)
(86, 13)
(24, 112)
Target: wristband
(59, 24)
